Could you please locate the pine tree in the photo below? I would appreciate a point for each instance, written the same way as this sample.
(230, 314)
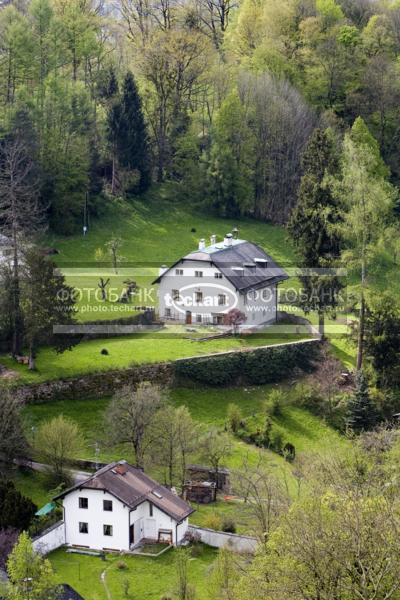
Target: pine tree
(132, 142)
(361, 413)
(310, 226)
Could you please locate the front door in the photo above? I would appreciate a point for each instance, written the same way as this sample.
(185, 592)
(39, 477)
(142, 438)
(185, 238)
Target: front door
(131, 534)
(150, 529)
(188, 317)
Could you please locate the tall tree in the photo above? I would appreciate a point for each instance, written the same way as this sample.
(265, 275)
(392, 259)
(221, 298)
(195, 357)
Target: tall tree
(133, 145)
(131, 416)
(47, 302)
(311, 226)
(12, 437)
(367, 199)
(21, 215)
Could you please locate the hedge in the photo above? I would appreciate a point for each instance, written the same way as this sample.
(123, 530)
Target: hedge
(262, 365)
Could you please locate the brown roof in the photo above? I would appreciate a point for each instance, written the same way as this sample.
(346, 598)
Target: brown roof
(132, 487)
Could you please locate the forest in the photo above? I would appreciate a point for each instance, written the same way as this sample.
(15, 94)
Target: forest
(217, 96)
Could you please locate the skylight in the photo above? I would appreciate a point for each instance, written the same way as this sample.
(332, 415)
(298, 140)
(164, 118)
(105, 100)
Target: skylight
(156, 494)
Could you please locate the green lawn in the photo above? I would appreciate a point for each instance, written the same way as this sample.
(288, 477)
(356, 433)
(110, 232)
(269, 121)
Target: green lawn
(154, 231)
(143, 348)
(149, 578)
(308, 433)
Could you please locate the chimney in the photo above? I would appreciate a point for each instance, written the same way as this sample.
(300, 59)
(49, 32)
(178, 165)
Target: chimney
(213, 239)
(228, 239)
(122, 467)
(202, 244)
(235, 233)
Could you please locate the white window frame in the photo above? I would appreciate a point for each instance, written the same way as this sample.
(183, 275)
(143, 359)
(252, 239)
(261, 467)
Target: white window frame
(104, 530)
(81, 524)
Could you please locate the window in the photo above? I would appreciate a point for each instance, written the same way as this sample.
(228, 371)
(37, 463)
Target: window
(221, 299)
(198, 273)
(175, 294)
(107, 530)
(178, 271)
(83, 528)
(199, 297)
(107, 505)
(218, 275)
(167, 312)
(198, 318)
(150, 509)
(83, 503)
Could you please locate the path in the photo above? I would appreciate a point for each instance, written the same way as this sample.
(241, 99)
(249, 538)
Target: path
(77, 476)
(104, 582)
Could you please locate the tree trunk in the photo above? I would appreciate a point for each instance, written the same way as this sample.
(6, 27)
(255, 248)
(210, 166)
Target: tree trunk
(17, 324)
(321, 324)
(32, 362)
(361, 326)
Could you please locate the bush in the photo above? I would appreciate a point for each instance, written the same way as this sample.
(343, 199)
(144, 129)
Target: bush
(213, 521)
(276, 441)
(228, 525)
(289, 452)
(263, 365)
(275, 403)
(234, 415)
(121, 565)
(104, 352)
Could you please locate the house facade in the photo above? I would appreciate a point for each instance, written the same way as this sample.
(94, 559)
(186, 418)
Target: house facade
(118, 507)
(206, 284)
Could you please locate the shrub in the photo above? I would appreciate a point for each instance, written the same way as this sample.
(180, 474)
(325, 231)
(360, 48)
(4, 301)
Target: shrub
(289, 452)
(275, 403)
(104, 352)
(263, 365)
(228, 525)
(213, 521)
(234, 415)
(121, 565)
(276, 438)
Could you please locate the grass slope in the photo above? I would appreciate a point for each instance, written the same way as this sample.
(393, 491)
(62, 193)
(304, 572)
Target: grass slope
(149, 578)
(143, 348)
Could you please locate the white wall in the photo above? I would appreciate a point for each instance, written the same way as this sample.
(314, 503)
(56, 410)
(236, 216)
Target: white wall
(51, 539)
(96, 517)
(219, 539)
(258, 309)
(148, 526)
(120, 518)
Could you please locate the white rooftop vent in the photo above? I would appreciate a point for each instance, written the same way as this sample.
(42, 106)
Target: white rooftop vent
(228, 239)
(213, 239)
(202, 244)
(238, 270)
(156, 494)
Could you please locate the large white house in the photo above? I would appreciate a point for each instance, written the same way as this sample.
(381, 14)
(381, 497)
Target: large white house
(118, 507)
(206, 284)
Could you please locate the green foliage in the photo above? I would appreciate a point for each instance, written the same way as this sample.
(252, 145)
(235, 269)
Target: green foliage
(16, 510)
(361, 410)
(264, 365)
(234, 416)
(30, 575)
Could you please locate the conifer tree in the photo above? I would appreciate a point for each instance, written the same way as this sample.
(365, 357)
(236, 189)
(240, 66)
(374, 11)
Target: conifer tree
(310, 226)
(133, 139)
(361, 414)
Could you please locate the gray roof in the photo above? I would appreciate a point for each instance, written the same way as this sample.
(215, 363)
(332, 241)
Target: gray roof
(241, 254)
(133, 487)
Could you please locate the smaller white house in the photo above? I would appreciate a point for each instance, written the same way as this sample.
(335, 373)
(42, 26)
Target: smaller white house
(118, 507)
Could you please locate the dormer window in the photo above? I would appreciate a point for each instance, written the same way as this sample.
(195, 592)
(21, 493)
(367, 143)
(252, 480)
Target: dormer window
(261, 262)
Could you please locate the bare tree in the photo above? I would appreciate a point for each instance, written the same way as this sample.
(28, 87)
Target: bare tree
(214, 17)
(12, 438)
(216, 446)
(20, 215)
(265, 496)
(131, 416)
(283, 123)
